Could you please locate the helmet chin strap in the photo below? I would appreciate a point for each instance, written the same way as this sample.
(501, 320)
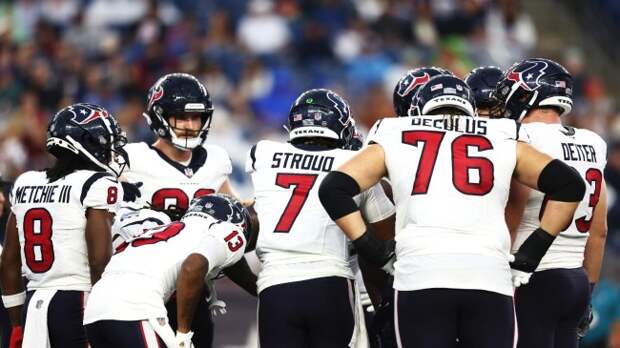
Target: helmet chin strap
(113, 168)
(185, 143)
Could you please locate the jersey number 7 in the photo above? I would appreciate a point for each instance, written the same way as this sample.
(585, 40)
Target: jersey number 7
(303, 183)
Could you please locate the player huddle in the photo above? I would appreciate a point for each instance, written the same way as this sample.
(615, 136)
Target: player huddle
(472, 219)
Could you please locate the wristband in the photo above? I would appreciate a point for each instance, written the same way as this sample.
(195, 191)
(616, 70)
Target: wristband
(532, 251)
(14, 300)
(377, 252)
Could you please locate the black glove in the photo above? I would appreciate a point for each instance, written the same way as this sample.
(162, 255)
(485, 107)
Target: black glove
(584, 324)
(378, 253)
(383, 321)
(131, 191)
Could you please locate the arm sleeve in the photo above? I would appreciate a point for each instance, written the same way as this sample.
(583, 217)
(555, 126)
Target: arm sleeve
(104, 192)
(375, 205)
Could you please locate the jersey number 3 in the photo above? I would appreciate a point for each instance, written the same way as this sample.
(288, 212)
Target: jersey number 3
(593, 176)
(462, 163)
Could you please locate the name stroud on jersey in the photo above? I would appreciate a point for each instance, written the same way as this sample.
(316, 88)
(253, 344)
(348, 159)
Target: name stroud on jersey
(578, 152)
(457, 124)
(299, 161)
(42, 194)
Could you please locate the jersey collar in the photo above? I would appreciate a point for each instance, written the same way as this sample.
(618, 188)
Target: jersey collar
(199, 157)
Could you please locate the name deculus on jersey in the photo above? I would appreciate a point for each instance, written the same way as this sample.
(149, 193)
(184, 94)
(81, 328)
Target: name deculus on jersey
(461, 124)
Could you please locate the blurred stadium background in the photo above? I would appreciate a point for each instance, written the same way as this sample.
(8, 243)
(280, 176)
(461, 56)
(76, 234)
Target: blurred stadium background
(256, 56)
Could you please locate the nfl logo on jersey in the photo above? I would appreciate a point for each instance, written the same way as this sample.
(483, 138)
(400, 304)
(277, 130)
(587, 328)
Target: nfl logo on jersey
(189, 172)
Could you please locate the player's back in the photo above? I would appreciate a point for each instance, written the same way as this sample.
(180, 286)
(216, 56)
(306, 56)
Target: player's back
(586, 152)
(143, 272)
(166, 182)
(298, 240)
(450, 177)
(51, 221)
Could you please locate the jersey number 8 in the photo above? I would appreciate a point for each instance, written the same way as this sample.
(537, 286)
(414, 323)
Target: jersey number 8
(38, 237)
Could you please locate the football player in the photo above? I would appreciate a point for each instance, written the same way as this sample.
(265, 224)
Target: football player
(482, 82)
(306, 287)
(58, 231)
(409, 84)
(450, 172)
(538, 92)
(178, 166)
(126, 308)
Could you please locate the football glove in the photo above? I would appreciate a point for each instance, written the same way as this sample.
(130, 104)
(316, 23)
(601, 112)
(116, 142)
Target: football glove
(584, 324)
(184, 339)
(383, 322)
(389, 265)
(131, 191)
(379, 253)
(519, 277)
(17, 336)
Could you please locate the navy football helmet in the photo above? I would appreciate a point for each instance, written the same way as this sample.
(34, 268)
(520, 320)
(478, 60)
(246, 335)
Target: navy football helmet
(176, 95)
(409, 84)
(320, 113)
(482, 82)
(223, 208)
(89, 132)
(440, 92)
(535, 82)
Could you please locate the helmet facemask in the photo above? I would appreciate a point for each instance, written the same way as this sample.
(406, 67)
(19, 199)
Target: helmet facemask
(184, 142)
(178, 95)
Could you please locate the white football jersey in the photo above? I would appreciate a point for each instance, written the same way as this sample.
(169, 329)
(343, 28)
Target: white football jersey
(450, 178)
(51, 221)
(140, 277)
(297, 239)
(166, 182)
(587, 153)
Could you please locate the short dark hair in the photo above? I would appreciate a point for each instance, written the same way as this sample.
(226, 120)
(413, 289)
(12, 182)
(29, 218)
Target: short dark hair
(327, 143)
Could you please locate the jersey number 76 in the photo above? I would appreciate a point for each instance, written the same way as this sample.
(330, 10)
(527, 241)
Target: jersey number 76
(462, 163)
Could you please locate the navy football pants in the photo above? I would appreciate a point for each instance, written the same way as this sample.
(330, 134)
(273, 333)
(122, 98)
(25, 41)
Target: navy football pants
(550, 306)
(310, 313)
(435, 318)
(122, 334)
(65, 315)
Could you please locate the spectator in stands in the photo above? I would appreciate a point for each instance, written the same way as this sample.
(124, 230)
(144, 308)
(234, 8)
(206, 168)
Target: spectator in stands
(510, 32)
